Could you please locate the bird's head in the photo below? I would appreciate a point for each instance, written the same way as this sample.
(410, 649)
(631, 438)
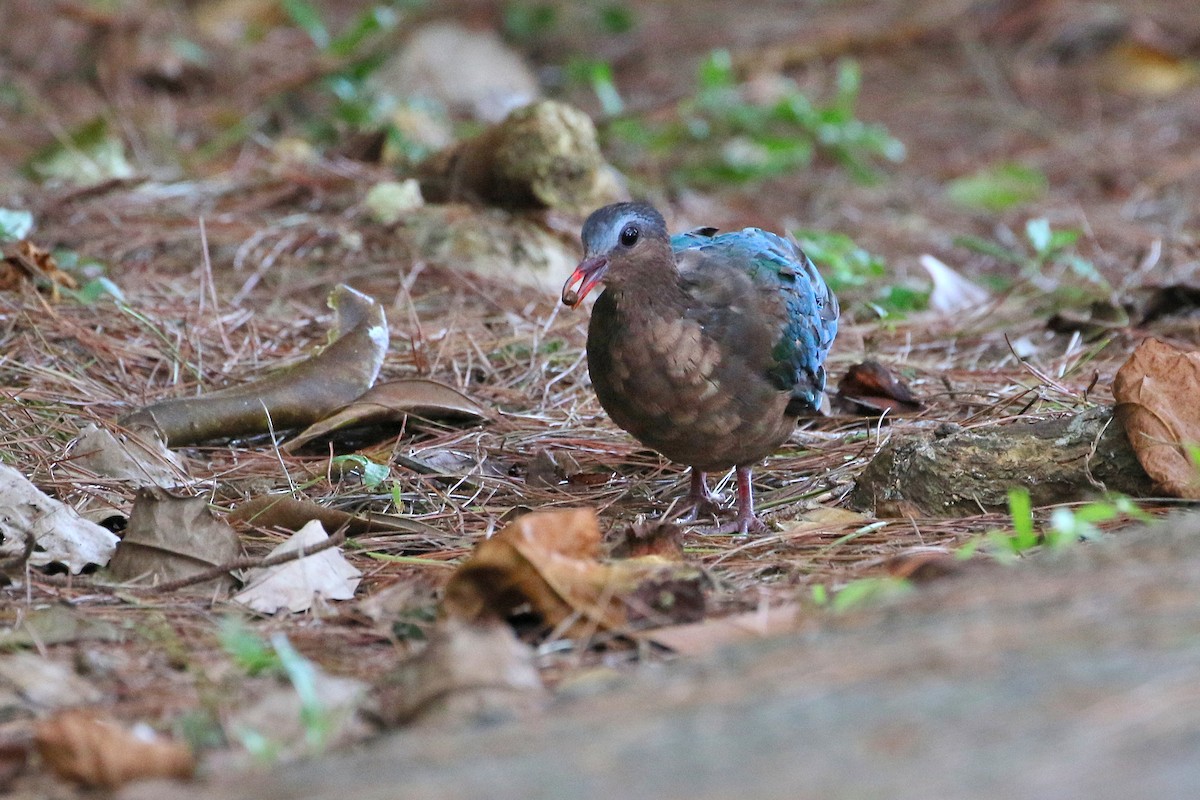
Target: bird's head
(622, 233)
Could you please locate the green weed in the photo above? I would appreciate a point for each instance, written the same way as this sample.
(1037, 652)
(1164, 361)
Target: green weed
(861, 592)
(998, 187)
(280, 658)
(373, 474)
(1043, 255)
(720, 136)
(1067, 525)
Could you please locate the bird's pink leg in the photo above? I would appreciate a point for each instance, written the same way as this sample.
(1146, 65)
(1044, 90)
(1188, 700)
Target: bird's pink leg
(703, 502)
(746, 520)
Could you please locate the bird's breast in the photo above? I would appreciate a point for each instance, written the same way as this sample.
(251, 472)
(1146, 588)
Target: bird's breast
(679, 391)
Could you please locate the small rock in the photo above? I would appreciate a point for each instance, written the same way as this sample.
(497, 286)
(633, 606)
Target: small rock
(388, 201)
(470, 72)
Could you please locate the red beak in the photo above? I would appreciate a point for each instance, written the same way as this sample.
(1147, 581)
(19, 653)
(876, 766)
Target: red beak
(589, 273)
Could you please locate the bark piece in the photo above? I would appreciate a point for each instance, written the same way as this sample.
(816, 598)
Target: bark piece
(956, 472)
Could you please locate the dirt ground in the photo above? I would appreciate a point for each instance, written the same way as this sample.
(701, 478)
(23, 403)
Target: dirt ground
(1103, 99)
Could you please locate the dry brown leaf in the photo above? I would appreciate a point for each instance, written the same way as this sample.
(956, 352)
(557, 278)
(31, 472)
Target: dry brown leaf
(1156, 392)
(870, 388)
(650, 538)
(550, 560)
(698, 638)
(24, 261)
(825, 519)
(1142, 68)
(393, 402)
(136, 460)
(293, 397)
(99, 753)
(169, 538)
(290, 513)
(921, 565)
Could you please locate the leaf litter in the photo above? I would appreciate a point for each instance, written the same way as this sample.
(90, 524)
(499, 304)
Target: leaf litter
(272, 232)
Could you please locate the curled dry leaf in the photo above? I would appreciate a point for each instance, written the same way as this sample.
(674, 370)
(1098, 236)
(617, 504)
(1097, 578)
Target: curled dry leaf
(137, 460)
(393, 402)
(550, 560)
(59, 535)
(291, 398)
(870, 388)
(169, 538)
(24, 261)
(650, 538)
(1156, 392)
(698, 638)
(1144, 68)
(297, 584)
(290, 513)
(100, 753)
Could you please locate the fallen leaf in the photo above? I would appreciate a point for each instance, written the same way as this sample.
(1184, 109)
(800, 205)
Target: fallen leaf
(823, 519)
(169, 538)
(291, 398)
(650, 538)
(137, 460)
(698, 638)
(924, 565)
(290, 513)
(90, 154)
(470, 671)
(952, 293)
(59, 534)
(870, 388)
(391, 403)
(550, 560)
(297, 584)
(99, 753)
(23, 261)
(1156, 392)
(1142, 68)
(551, 468)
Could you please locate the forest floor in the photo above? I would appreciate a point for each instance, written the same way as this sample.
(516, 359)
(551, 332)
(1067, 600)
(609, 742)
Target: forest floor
(224, 245)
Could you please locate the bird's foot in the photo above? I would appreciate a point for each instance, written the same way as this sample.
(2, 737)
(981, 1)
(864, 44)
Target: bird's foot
(746, 520)
(704, 504)
(738, 525)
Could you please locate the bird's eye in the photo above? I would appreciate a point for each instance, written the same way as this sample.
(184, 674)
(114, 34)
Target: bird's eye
(630, 235)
